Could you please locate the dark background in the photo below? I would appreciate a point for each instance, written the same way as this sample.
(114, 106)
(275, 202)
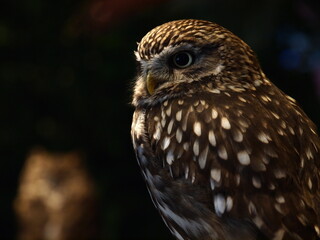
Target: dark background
(66, 71)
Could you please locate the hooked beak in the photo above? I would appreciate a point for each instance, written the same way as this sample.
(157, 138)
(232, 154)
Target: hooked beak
(151, 83)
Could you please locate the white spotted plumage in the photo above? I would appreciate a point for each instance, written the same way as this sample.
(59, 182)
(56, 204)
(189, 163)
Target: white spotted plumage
(243, 157)
(225, 154)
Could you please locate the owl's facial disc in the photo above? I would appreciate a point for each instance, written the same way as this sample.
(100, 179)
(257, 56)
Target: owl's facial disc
(176, 64)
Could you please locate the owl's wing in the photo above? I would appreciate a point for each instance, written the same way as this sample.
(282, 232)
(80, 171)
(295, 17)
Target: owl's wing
(241, 160)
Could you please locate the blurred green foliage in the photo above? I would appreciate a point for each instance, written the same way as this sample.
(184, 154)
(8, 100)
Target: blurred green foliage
(67, 86)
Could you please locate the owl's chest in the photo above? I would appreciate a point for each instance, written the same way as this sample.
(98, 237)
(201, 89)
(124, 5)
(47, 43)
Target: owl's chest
(203, 160)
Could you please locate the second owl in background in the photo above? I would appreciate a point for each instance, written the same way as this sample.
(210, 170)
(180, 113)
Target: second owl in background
(226, 155)
(56, 198)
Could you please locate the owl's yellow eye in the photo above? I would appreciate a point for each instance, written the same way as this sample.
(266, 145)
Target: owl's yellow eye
(182, 59)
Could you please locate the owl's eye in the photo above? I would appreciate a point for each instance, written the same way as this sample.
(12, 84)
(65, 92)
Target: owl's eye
(182, 59)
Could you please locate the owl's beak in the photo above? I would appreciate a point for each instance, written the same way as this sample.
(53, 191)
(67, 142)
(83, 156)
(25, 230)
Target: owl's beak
(151, 83)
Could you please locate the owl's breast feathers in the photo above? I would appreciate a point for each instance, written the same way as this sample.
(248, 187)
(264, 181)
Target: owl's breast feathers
(214, 160)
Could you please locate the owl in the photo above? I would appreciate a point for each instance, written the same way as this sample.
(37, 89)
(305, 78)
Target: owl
(225, 154)
(56, 198)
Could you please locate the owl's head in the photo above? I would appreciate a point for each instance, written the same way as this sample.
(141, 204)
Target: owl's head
(183, 52)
